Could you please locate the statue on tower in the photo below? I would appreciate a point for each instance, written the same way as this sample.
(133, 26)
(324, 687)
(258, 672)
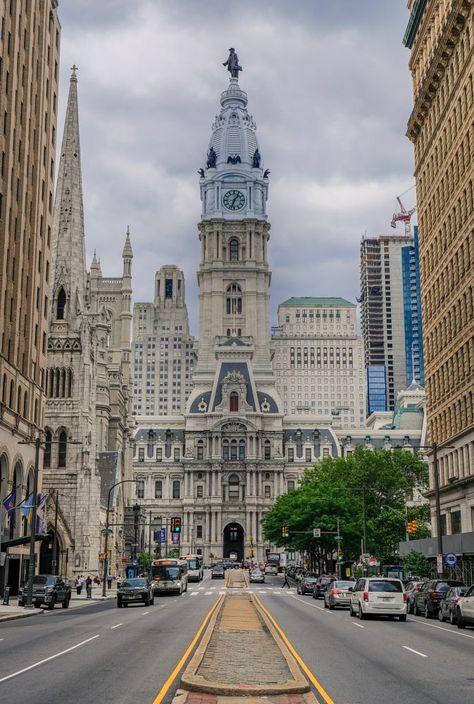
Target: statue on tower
(232, 64)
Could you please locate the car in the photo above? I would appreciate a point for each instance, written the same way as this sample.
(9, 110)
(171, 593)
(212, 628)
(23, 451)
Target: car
(321, 584)
(465, 609)
(428, 598)
(378, 596)
(448, 606)
(229, 564)
(271, 569)
(134, 590)
(257, 576)
(48, 590)
(218, 571)
(306, 585)
(338, 593)
(411, 588)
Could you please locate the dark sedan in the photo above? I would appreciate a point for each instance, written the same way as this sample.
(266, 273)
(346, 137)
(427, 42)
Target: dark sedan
(448, 606)
(306, 585)
(322, 584)
(133, 591)
(411, 589)
(217, 572)
(430, 595)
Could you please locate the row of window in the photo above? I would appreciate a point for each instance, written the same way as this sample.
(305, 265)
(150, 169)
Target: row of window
(233, 489)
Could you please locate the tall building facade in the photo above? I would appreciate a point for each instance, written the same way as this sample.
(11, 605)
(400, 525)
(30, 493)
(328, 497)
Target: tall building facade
(163, 349)
(441, 39)
(88, 380)
(414, 359)
(29, 51)
(318, 360)
(383, 318)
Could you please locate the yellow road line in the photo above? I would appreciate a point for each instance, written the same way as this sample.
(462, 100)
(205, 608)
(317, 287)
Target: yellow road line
(298, 659)
(164, 690)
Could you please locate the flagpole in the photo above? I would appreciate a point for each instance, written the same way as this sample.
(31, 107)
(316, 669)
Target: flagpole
(31, 563)
(55, 542)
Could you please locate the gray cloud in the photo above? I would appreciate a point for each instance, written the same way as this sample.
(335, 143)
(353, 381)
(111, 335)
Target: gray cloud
(328, 85)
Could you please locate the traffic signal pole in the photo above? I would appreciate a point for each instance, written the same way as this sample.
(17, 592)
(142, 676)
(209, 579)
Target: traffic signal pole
(338, 567)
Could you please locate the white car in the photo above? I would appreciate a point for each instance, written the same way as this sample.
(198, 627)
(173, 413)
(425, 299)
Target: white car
(378, 596)
(271, 569)
(465, 609)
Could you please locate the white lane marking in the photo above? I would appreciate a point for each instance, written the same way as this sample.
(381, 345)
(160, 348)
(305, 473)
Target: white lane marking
(193, 594)
(314, 606)
(200, 589)
(145, 613)
(417, 652)
(222, 592)
(441, 628)
(359, 625)
(51, 657)
(117, 625)
(262, 591)
(212, 588)
(207, 593)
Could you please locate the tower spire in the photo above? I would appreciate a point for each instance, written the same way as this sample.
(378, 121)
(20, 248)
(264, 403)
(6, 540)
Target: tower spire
(68, 250)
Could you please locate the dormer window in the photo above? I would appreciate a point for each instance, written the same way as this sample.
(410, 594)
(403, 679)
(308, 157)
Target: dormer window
(61, 304)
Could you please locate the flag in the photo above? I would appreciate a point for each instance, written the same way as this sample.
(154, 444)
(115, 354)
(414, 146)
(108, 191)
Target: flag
(25, 509)
(9, 504)
(41, 515)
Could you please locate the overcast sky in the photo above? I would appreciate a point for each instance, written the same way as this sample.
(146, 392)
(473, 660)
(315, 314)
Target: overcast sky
(328, 85)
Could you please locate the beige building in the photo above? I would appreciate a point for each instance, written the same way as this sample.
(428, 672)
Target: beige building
(318, 360)
(441, 38)
(29, 50)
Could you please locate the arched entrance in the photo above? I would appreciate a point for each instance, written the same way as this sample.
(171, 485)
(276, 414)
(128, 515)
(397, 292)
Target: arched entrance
(234, 541)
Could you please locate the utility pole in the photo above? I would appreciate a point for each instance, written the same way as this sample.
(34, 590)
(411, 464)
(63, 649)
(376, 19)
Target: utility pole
(149, 534)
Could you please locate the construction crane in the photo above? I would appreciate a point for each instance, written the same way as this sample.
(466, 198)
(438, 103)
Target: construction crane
(403, 216)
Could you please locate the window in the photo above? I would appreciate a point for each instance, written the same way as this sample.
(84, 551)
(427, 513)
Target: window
(158, 489)
(290, 485)
(199, 532)
(233, 451)
(325, 451)
(176, 454)
(234, 300)
(47, 449)
(307, 454)
(233, 487)
(234, 250)
(141, 454)
(199, 491)
(291, 454)
(159, 454)
(62, 449)
(234, 401)
(176, 489)
(242, 450)
(61, 306)
(225, 450)
(140, 489)
(267, 450)
(456, 521)
(200, 451)
(268, 491)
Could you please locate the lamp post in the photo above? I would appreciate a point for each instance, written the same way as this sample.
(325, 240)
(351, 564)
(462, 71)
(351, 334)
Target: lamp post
(106, 542)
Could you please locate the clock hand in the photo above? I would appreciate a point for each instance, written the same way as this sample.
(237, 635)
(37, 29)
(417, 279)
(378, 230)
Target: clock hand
(235, 198)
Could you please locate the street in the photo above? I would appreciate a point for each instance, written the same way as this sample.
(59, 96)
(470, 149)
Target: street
(126, 656)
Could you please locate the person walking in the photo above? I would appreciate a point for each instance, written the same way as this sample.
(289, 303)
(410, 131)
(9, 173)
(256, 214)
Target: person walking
(286, 582)
(89, 587)
(109, 581)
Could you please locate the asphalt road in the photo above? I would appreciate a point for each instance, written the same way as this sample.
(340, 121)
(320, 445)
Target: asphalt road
(103, 654)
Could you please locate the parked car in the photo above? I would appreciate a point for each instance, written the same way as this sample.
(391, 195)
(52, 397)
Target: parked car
(48, 590)
(338, 593)
(218, 571)
(448, 605)
(465, 609)
(306, 585)
(321, 584)
(378, 596)
(134, 590)
(257, 576)
(411, 588)
(428, 598)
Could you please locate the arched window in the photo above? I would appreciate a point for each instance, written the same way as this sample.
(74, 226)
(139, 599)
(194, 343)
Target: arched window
(18, 404)
(234, 300)
(234, 250)
(62, 449)
(47, 449)
(233, 487)
(233, 450)
(4, 389)
(267, 450)
(233, 401)
(61, 304)
(12, 394)
(25, 405)
(200, 450)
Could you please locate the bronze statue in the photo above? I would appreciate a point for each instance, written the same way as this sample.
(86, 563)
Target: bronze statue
(232, 63)
(256, 159)
(211, 158)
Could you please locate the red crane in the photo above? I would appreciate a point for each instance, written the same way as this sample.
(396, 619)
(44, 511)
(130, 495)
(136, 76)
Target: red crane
(403, 216)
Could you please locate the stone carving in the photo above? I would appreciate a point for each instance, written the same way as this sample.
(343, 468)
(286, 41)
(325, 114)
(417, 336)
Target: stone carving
(266, 173)
(211, 158)
(234, 428)
(201, 173)
(256, 160)
(232, 63)
(234, 159)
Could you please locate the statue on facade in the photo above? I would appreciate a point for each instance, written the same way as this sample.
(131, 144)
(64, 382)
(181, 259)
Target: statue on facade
(232, 63)
(211, 158)
(256, 160)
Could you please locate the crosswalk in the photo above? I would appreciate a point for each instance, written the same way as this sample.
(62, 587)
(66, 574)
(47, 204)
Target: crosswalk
(213, 591)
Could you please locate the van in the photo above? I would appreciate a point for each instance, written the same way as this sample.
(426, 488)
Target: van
(378, 596)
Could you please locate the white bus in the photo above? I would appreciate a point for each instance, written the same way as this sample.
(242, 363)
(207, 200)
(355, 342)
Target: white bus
(169, 575)
(195, 567)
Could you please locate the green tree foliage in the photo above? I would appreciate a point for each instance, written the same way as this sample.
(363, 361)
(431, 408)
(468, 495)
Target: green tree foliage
(144, 560)
(415, 563)
(342, 487)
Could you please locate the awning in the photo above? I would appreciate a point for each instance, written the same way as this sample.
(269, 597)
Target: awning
(23, 541)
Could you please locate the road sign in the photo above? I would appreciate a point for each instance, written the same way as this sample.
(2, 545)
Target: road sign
(316, 532)
(439, 564)
(450, 559)
(163, 535)
(338, 538)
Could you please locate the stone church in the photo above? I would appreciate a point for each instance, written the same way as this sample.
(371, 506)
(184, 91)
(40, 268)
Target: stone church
(221, 465)
(87, 417)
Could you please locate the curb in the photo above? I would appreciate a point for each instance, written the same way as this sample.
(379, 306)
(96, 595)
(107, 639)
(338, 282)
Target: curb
(13, 617)
(192, 682)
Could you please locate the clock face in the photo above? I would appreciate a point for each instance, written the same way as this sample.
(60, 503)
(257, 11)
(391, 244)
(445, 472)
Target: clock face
(234, 200)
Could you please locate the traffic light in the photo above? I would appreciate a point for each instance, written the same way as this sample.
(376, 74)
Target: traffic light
(176, 524)
(340, 555)
(412, 526)
(285, 533)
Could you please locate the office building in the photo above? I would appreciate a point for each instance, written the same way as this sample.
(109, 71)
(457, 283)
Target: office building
(414, 361)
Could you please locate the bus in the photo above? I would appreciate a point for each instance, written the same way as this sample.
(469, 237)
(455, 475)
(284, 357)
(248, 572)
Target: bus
(195, 568)
(169, 576)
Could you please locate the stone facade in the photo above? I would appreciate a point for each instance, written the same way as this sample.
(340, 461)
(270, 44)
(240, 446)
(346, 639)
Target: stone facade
(88, 376)
(441, 39)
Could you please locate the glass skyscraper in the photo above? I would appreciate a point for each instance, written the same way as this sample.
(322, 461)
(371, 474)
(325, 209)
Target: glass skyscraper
(412, 312)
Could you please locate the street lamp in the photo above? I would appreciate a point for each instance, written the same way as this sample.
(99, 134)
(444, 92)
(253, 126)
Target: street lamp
(106, 542)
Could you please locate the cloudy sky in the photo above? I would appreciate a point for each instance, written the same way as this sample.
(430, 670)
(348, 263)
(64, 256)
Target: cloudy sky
(329, 88)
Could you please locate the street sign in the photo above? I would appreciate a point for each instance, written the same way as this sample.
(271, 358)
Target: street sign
(316, 532)
(450, 559)
(439, 564)
(338, 538)
(163, 535)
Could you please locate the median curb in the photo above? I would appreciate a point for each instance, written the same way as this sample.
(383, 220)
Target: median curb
(19, 614)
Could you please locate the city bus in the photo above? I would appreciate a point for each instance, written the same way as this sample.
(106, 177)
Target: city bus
(169, 576)
(195, 567)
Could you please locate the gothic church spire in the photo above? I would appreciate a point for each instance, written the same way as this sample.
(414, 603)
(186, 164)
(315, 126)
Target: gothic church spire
(68, 250)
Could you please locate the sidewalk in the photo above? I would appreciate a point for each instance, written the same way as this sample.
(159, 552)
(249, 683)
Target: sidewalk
(13, 611)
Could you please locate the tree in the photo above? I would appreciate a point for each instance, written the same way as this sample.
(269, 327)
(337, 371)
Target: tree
(415, 563)
(145, 560)
(369, 487)
(173, 552)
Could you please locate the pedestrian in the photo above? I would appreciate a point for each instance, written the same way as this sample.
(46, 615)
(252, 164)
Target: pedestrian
(79, 584)
(89, 587)
(109, 581)
(286, 583)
